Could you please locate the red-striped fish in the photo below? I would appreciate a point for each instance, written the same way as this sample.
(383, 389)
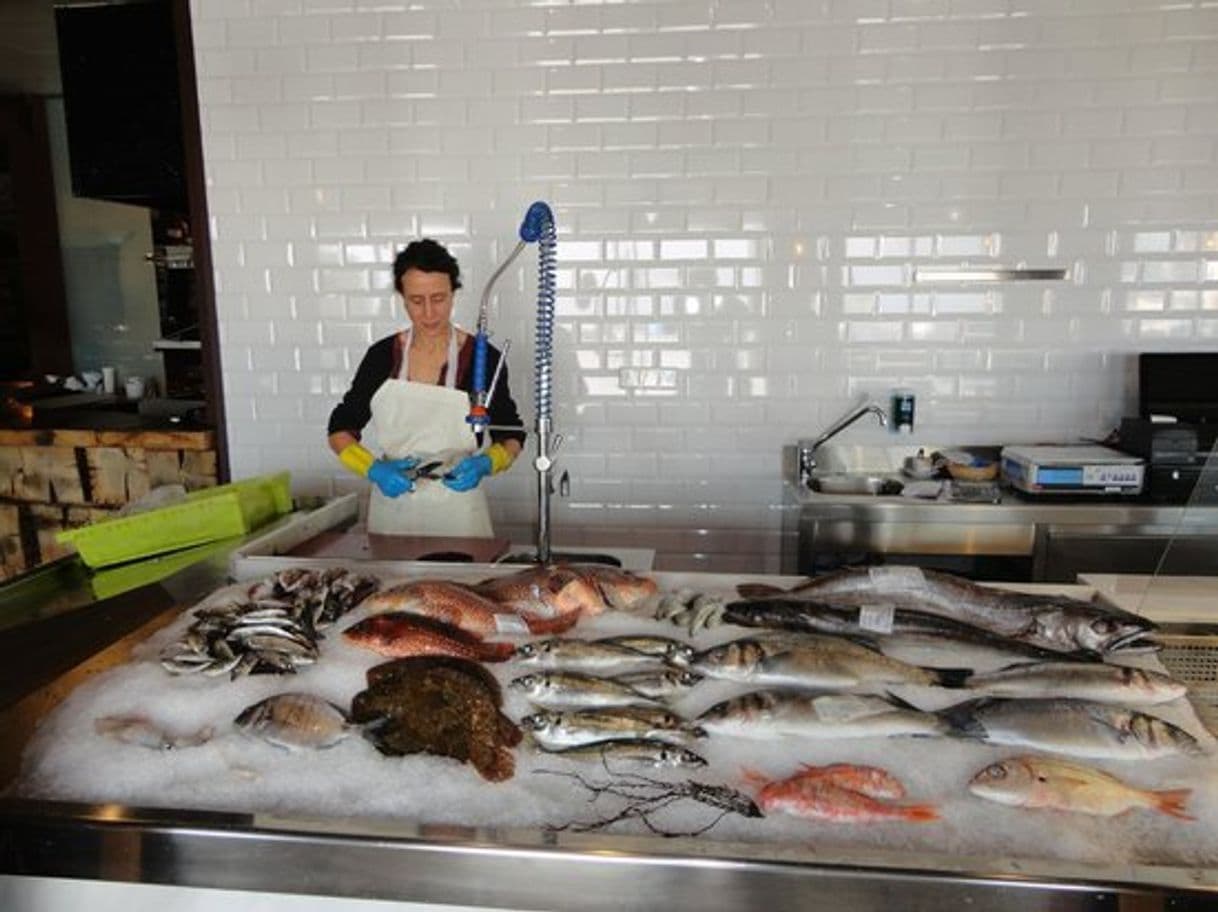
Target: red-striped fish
(399, 634)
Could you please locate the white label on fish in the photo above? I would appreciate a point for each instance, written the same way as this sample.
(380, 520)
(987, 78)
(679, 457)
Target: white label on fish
(877, 618)
(892, 579)
(510, 624)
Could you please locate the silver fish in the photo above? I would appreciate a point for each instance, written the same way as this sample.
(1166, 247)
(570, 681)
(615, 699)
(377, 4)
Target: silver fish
(810, 660)
(295, 720)
(141, 731)
(572, 654)
(569, 689)
(1077, 728)
(660, 685)
(657, 646)
(635, 751)
(570, 729)
(768, 714)
(1091, 681)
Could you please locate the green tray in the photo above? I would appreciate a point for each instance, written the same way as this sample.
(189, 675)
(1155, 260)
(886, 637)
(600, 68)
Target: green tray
(205, 516)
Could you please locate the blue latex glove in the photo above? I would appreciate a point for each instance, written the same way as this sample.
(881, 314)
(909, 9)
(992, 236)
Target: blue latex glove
(390, 475)
(467, 473)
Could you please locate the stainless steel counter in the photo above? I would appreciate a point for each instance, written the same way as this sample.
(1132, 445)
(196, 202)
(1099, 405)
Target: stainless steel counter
(496, 868)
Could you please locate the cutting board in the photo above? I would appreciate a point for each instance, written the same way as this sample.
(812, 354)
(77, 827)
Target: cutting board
(359, 544)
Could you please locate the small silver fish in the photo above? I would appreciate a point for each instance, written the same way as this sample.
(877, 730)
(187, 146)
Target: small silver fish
(660, 685)
(569, 689)
(635, 751)
(141, 731)
(570, 729)
(295, 720)
(572, 654)
(663, 648)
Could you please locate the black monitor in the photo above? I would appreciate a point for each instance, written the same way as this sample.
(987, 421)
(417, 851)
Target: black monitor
(1183, 385)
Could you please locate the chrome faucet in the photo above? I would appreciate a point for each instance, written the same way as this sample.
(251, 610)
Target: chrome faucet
(807, 451)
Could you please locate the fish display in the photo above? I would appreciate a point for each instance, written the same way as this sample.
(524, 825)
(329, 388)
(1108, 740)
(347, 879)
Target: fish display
(1053, 622)
(235, 639)
(1046, 782)
(556, 730)
(570, 689)
(438, 705)
(840, 795)
(668, 684)
(1096, 681)
(571, 654)
(295, 720)
(449, 603)
(634, 752)
(143, 732)
(399, 634)
(810, 660)
(771, 714)
(319, 597)
(1077, 728)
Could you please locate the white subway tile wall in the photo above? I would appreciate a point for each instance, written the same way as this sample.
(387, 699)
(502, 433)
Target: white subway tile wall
(744, 191)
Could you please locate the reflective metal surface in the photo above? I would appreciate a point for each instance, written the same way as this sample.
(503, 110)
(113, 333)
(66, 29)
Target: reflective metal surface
(945, 274)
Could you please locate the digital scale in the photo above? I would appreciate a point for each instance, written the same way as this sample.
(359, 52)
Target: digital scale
(1085, 469)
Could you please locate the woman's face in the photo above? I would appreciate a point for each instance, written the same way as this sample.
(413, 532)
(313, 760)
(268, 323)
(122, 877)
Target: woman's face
(429, 300)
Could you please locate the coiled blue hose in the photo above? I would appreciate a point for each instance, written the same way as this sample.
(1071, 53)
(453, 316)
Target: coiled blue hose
(538, 226)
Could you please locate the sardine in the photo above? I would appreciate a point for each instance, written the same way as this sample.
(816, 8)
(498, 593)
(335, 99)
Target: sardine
(1092, 681)
(295, 720)
(636, 751)
(568, 689)
(1045, 782)
(398, 634)
(570, 729)
(572, 654)
(142, 731)
(769, 714)
(811, 660)
(669, 684)
(1077, 728)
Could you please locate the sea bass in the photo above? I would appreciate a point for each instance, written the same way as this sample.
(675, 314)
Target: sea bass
(569, 689)
(1078, 728)
(1054, 622)
(1044, 782)
(821, 798)
(570, 729)
(770, 714)
(634, 751)
(399, 634)
(449, 603)
(295, 720)
(809, 660)
(1093, 681)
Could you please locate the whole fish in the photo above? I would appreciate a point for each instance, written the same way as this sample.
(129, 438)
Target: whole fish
(816, 798)
(557, 593)
(450, 603)
(1078, 728)
(569, 689)
(571, 729)
(871, 781)
(668, 684)
(1092, 681)
(811, 660)
(572, 654)
(659, 647)
(981, 653)
(1044, 782)
(635, 751)
(400, 634)
(295, 720)
(1054, 622)
(770, 714)
(143, 732)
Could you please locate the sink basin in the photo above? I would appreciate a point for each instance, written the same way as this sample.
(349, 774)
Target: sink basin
(853, 483)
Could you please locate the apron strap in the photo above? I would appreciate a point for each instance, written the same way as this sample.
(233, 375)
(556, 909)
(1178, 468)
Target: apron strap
(450, 369)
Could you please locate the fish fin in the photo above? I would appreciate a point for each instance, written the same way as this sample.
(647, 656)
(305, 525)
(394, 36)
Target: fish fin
(962, 721)
(901, 702)
(919, 813)
(541, 626)
(954, 678)
(758, 590)
(1171, 802)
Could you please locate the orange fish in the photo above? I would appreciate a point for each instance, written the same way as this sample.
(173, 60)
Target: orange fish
(399, 634)
(620, 589)
(819, 798)
(866, 780)
(545, 593)
(450, 603)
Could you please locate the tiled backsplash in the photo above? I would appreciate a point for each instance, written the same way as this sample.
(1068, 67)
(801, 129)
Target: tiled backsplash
(744, 191)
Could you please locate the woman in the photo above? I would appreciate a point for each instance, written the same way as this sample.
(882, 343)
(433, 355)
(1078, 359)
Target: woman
(414, 388)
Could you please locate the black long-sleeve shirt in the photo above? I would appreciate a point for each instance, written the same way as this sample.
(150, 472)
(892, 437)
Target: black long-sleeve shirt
(383, 360)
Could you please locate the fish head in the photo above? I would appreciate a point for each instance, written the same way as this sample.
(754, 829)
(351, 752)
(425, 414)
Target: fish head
(621, 589)
(679, 757)
(1006, 782)
(539, 721)
(680, 654)
(687, 678)
(535, 651)
(526, 683)
(1094, 630)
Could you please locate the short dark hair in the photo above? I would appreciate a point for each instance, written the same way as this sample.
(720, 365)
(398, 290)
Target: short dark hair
(428, 256)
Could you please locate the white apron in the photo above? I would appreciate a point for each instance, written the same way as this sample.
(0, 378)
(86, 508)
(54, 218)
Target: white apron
(419, 419)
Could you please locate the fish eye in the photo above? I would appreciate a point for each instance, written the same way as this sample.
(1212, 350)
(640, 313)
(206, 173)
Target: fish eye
(526, 650)
(1104, 625)
(995, 771)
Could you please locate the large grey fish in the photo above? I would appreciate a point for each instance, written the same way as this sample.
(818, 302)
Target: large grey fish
(636, 751)
(571, 654)
(1054, 622)
(811, 660)
(570, 729)
(569, 689)
(668, 684)
(780, 714)
(295, 720)
(1077, 728)
(1096, 681)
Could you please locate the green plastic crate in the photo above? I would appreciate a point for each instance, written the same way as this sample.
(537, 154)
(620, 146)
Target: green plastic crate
(205, 516)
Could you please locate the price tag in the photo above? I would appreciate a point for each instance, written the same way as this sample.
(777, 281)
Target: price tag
(511, 625)
(876, 618)
(896, 579)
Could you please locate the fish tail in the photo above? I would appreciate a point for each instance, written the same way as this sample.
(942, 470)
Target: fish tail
(542, 626)
(1171, 802)
(918, 813)
(495, 652)
(954, 678)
